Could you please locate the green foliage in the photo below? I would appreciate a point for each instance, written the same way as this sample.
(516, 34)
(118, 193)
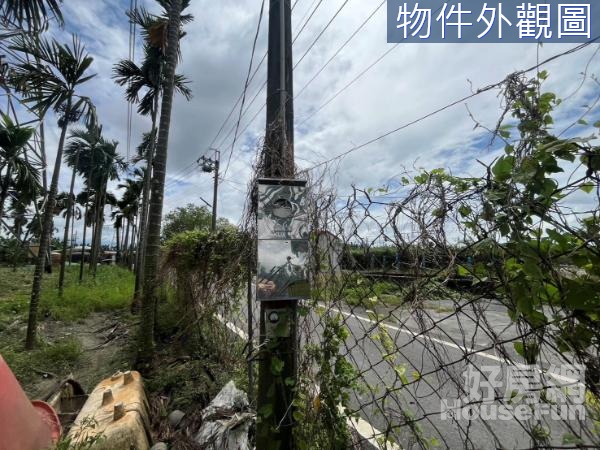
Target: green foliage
(204, 250)
(323, 413)
(18, 171)
(51, 83)
(58, 357)
(85, 437)
(205, 273)
(189, 218)
(12, 252)
(31, 15)
(358, 290)
(194, 369)
(111, 289)
(545, 258)
(375, 258)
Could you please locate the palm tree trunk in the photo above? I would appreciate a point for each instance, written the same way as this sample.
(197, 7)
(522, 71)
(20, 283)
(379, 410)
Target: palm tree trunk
(47, 227)
(94, 230)
(151, 282)
(118, 256)
(126, 243)
(123, 249)
(134, 232)
(73, 234)
(140, 256)
(63, 256)
(4, 191)
(99, 227)
(81, 261)
(43, 154)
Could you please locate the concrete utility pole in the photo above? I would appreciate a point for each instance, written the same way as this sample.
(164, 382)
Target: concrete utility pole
(275, 390)
(212, 165)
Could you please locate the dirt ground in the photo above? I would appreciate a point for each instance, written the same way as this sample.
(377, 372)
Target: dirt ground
(104, 339)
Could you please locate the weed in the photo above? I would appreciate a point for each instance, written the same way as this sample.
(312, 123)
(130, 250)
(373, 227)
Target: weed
(52, 358)
(112, 289)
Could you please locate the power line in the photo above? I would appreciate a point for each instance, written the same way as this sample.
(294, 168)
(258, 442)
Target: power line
(454, 103)
(308, 10)
(234, 129)
(302, 27)
(237, 125)
(180, 176)
(321, 33)
(337, 52)
(263, 85)
(132, 33)
(193, 185)
(239, 99)
(295, 66)
(354, 80)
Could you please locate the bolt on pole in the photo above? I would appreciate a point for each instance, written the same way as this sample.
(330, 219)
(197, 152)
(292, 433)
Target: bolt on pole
(278, 318)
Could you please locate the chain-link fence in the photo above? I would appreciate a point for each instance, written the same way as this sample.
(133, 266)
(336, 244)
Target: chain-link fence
(454, 312)
(431, 354)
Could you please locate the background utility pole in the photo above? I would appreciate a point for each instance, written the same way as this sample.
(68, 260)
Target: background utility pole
(212, 165)
(275, 392)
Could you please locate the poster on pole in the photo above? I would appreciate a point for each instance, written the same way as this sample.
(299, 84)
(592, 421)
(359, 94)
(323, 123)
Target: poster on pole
(282, 210)
(283, 250)
(282, 270)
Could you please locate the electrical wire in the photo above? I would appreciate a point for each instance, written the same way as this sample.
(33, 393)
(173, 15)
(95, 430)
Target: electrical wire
(132, 36)
(310, 47)
(303, 26)
(337, 52)
(454, 103)
(237, 125)
(259, 91)
(239, 99)
(243, 112)
(354, 80)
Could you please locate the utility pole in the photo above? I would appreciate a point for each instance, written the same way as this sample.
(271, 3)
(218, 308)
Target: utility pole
(215, 189)
(212, 165)
(277, 358)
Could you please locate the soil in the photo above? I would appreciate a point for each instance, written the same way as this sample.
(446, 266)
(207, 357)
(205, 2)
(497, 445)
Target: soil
(104, 339)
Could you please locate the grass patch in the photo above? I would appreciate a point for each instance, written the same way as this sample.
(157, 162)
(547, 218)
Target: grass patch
(358, 290)
(112, 289)
(362, 291)
(15, 282)
(57, 358)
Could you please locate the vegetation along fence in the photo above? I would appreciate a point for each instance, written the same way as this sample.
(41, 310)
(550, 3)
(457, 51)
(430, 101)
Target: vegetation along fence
(451, 312)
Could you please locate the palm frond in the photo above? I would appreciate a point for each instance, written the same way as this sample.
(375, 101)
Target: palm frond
(52, 81)
(181, 86)
(32, 15)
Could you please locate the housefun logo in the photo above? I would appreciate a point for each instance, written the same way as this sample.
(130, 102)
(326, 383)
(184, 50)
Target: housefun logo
(521, 392)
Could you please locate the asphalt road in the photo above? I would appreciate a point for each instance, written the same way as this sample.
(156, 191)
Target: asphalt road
(434, 363)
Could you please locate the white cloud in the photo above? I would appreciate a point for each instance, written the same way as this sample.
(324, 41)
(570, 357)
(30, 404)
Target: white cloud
(411, 81)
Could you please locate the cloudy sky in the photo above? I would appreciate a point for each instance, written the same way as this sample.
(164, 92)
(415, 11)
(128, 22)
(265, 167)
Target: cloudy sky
(408, 82)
